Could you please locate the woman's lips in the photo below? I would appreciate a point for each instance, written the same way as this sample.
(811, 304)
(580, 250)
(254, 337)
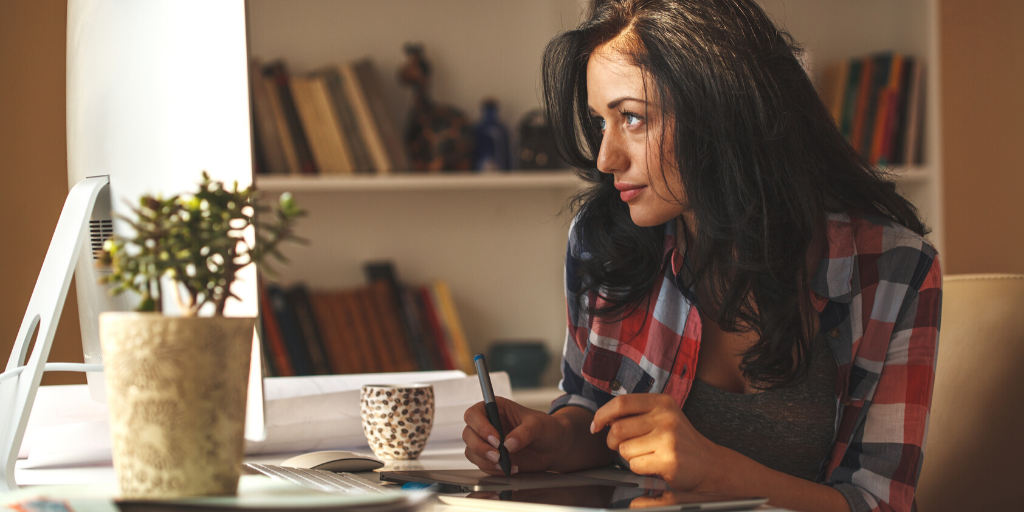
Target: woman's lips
(627, 191)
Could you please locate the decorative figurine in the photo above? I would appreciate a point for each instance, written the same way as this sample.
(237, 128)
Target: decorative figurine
(439, 137)
(537, 144)
(491, 138)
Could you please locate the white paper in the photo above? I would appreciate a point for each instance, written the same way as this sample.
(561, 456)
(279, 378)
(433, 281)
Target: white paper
(302, 414)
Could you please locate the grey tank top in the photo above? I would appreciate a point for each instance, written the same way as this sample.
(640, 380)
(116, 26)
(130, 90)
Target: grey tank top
(788, 429)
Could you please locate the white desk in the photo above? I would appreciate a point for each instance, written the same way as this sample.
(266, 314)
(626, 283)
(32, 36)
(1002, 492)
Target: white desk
(436, 456)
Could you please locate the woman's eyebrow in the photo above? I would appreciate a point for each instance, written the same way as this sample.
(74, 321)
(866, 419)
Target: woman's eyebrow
(615, 103)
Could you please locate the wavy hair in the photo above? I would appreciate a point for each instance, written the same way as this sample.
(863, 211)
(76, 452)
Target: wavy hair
(759, 157)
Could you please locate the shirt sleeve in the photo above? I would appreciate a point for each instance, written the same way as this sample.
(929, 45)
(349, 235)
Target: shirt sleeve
(880, 468)
(577, 391)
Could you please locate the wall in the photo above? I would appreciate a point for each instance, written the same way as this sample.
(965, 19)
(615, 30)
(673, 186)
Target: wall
(33, 164)
(982, 48)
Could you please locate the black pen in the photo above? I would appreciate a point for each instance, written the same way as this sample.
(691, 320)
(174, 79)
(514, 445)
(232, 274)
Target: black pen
(492, 412)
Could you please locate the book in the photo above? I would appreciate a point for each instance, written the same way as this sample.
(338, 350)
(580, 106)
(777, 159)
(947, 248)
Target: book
(333, 131)
(369, 79)
(334, 333)
(892, 114)
(386, 315)
(281, 123)
(915, 107)
(833, 88)
(896, 155)
(269, 149)
(294, 343)
(272, 337)
(850, 101)
(298, 300)
(374, 339)
(384, 271)
(432, 325)
(364, 118)
(361, 161)
(452, 326)
(331, 151)
(356, 349)
(867, 69)
(279, 73)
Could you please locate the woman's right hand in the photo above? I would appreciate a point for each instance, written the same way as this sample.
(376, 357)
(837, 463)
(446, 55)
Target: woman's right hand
(534, 439)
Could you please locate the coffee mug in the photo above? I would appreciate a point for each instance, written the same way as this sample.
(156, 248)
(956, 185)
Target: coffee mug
(397, 418)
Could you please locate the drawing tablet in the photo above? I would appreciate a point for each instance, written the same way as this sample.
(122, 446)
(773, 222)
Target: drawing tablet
(470, 480)
(596, 498)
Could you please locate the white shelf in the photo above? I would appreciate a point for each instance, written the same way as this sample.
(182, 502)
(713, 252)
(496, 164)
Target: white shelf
(912, 174)
(561, 179)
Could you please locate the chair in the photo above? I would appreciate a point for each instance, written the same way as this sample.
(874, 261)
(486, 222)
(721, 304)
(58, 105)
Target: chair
(975, 444)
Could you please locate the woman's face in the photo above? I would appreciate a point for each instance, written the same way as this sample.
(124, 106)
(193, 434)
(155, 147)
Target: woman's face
(636, 148)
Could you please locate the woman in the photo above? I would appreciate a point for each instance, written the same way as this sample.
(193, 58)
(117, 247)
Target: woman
(752, 309)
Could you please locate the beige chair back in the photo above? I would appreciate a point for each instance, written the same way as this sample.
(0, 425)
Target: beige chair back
(974, 454)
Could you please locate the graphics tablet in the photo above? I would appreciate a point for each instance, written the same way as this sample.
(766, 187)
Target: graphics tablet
(596, 498)
(470, 480)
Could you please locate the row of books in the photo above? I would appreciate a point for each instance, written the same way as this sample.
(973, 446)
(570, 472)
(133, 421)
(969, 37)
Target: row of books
(877, 102)
(375, 328)
(333, 120)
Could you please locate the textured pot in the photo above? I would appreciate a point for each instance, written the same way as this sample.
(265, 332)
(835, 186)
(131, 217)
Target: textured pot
(176, 390)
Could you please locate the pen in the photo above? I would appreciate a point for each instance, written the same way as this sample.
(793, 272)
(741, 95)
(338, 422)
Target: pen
(492, 412)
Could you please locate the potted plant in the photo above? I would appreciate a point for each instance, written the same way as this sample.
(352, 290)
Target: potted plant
(176, 384)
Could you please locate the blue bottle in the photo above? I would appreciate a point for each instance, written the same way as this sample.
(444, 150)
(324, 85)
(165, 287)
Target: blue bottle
(492, 152)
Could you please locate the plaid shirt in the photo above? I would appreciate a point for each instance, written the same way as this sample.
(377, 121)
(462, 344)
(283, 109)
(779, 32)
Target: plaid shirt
(878, 294)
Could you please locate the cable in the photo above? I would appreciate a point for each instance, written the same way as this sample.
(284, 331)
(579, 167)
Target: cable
(55, 367)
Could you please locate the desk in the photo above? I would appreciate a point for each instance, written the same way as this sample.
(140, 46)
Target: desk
(436, 456)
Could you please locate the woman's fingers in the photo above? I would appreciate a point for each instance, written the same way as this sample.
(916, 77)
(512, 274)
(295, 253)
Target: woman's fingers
(476, 419)
(627, 428)
(483, 463)
(628, 405)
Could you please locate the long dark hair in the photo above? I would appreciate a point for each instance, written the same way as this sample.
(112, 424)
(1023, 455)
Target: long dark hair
(760, 159)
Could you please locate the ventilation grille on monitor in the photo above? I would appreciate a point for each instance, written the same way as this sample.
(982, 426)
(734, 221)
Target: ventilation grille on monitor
(100, 231)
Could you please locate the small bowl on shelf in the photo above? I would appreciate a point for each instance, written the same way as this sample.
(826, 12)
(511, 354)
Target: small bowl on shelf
(524, 360)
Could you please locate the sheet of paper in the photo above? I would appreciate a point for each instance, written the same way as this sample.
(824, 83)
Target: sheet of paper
(302, 414)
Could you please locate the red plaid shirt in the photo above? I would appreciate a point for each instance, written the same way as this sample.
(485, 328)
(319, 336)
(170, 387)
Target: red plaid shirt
(878, 294)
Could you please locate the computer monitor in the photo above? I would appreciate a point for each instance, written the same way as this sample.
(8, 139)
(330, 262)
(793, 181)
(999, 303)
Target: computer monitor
(157, 92)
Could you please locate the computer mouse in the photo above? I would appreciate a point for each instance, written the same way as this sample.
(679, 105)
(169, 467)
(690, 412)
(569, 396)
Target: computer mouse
(335, 461)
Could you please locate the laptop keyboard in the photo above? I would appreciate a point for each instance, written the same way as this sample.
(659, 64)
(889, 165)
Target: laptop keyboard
(327, 481)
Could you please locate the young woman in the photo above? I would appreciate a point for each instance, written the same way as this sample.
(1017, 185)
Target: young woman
(752, 309)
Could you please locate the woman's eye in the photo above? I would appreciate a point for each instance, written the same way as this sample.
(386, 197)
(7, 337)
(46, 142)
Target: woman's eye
(632, 119)
(599, 123)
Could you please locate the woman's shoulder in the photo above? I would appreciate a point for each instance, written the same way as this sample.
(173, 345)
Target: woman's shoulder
(882, 250)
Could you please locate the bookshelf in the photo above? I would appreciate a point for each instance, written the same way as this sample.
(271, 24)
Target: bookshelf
(499, 239)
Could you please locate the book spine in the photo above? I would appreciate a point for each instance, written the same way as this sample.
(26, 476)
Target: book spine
(268, 141)
(281, 123)
(361, 161)
(311, 127)
(279, 73)
(272, 337)
(390, 322)
(446, 306)
(850, 102)
(298, 299)
(332, 332)
(432, 325)
(357, 349)
(375, 340)
(367, 126)
(297, 351)
(333, 134)
(368, 78)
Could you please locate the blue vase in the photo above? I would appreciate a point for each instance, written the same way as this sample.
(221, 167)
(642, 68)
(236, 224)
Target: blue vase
(492, 152)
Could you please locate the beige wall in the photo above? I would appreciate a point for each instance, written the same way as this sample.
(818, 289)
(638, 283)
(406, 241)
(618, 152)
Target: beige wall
(33, 164)
(982, 48)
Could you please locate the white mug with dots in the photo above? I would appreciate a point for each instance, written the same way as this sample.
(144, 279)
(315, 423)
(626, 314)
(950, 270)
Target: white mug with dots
(397, 418)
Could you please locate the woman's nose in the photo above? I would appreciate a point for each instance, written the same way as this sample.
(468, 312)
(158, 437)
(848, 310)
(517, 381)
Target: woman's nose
(611, 156)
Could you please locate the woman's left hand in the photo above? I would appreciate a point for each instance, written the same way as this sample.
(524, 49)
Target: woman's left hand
(652, 434)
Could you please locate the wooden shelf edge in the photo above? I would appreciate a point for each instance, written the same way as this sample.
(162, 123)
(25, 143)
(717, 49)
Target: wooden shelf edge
(408, 181)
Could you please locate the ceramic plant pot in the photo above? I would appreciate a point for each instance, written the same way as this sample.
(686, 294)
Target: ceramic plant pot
(176, 390)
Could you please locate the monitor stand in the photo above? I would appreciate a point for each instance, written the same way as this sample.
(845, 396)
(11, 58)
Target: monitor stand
(20, 380)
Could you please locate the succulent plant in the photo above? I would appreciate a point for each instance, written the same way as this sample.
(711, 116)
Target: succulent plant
(194, 245)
